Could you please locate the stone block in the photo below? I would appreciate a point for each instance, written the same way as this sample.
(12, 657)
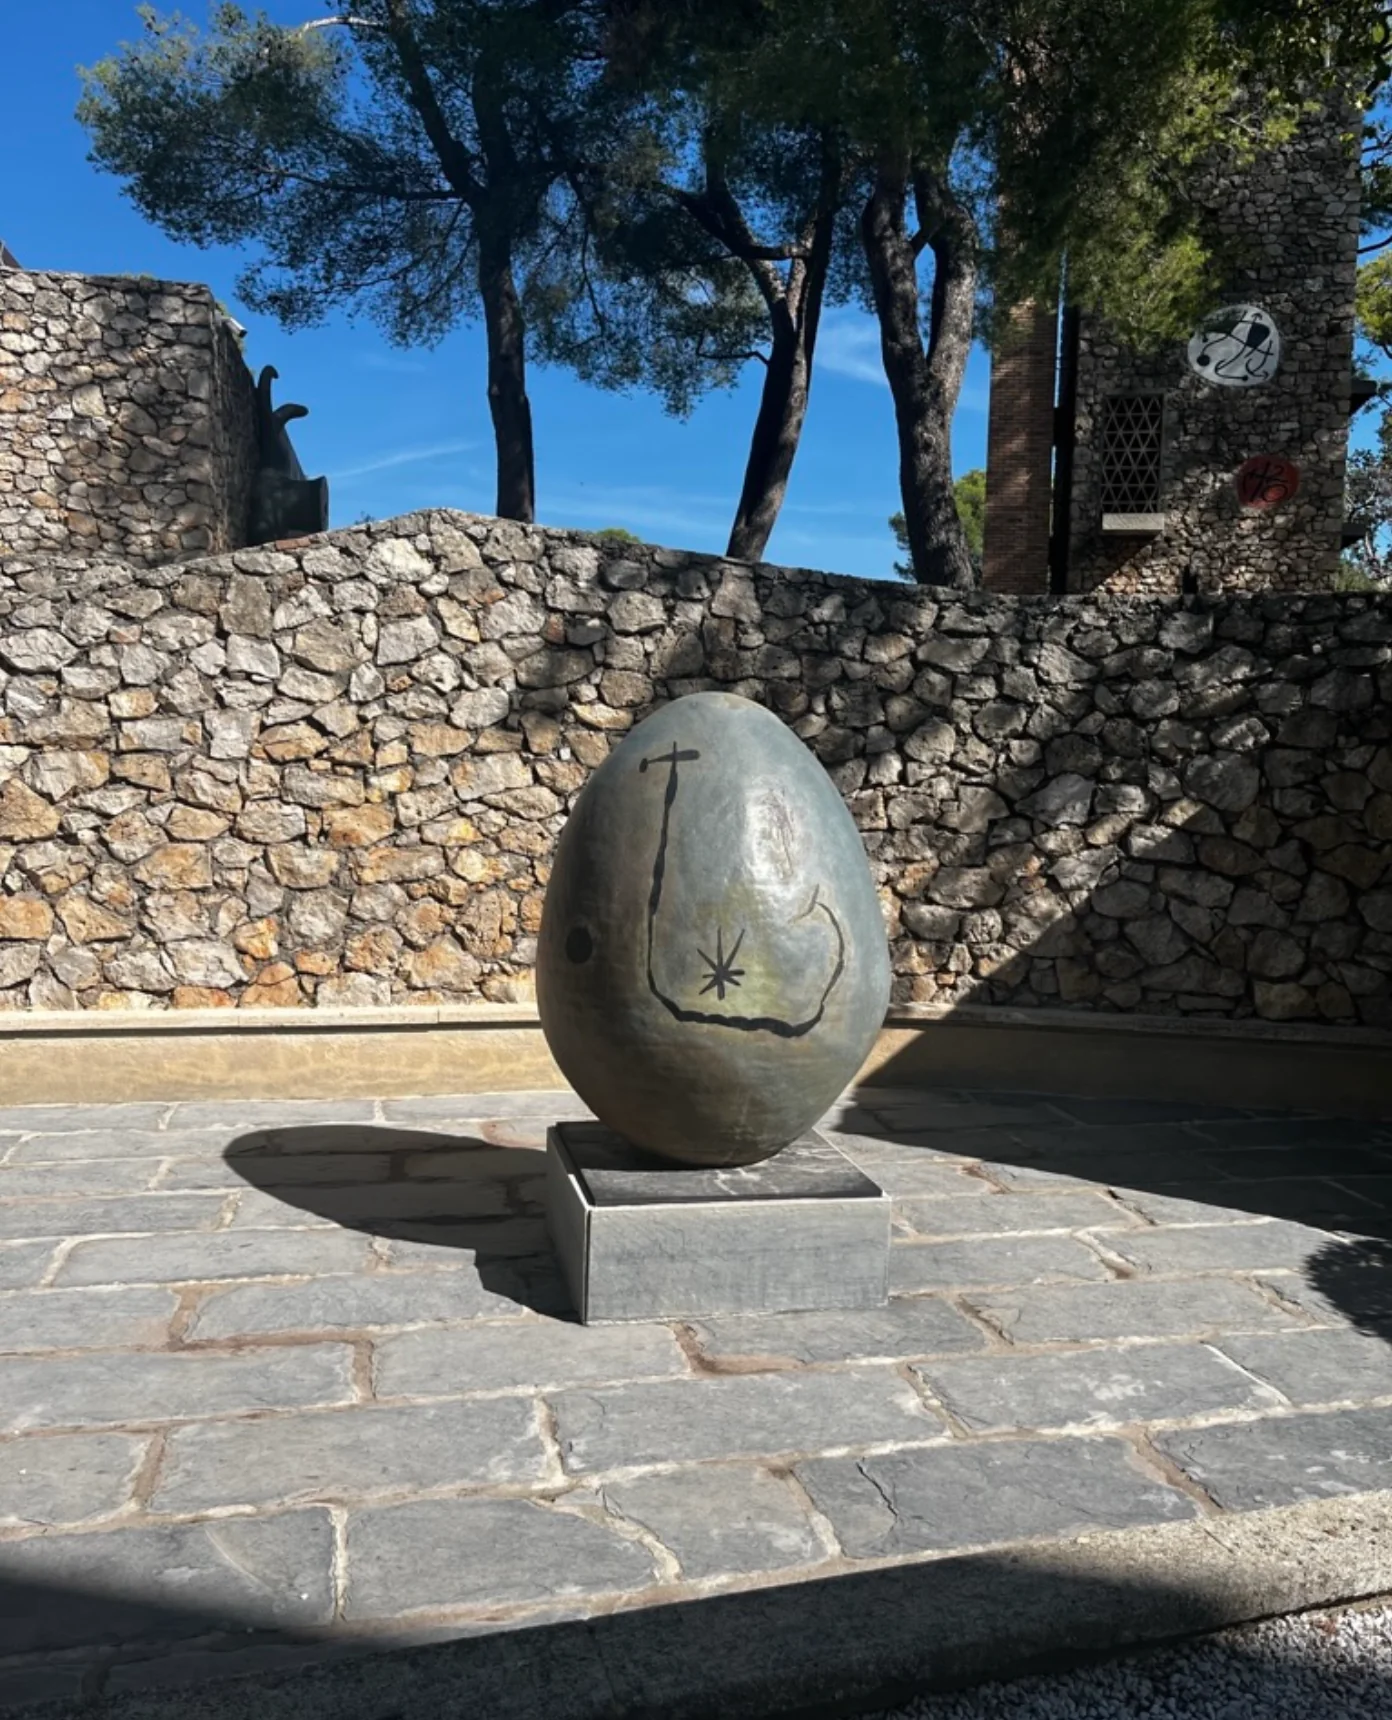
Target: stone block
(907, 1326)
(85, 1319)
(241, 1116)
(955, 1496)
(1009, 1214)
(906, 1171)
(747, 1415)
(197, 1259)
(109, 1387)
(69, 1479)
(1219, 1247)
(89, 1145)
(1136, 1308)
(1092, 1388)
(534, 1355)
(110, 1216)
(1316, 1367)
(51, 1181)
(177, 1581)
(639, 1241)
(1255, 1465)
(22, 1264)
(359, 1452)
(483, 1552)
(59, 1119)
(717, 1521)
(979, 1261)
(343, 1303)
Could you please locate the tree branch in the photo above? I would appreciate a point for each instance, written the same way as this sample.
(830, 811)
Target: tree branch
(346, 20)
(452, 155)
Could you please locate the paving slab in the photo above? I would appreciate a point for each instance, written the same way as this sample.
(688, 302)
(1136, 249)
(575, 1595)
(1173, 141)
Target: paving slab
(1316, 1367)
(722, 1519)
(116, 1317)
(393, 1449)
(101, 1387)
(1068, 1390)
(23, 1264)
(112, 1215)
(485, 1552)
(957, 1496)
(66, 1481)
(174, 1580)
(282, 1386)
(1245, 1466)
(907, 1326)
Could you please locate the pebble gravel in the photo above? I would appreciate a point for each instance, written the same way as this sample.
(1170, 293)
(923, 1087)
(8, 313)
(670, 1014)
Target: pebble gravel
(1316, 1666)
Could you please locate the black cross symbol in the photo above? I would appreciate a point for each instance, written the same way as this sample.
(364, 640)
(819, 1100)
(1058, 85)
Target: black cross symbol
(674, 758)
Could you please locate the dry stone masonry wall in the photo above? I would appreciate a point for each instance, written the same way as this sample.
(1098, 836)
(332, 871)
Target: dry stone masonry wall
(333, 772)
(127, 420)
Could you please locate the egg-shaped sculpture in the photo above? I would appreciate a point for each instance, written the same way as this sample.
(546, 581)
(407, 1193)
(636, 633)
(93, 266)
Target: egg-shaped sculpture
(712, 967)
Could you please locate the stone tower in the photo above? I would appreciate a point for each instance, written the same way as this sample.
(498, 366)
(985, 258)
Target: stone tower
(1216, 464)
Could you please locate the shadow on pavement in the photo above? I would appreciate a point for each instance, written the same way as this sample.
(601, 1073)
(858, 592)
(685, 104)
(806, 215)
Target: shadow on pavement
(420, 1190)
(845, 1645)
(1354, 1275)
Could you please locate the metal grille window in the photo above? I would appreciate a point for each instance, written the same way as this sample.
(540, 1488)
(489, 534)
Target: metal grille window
(1131, 443)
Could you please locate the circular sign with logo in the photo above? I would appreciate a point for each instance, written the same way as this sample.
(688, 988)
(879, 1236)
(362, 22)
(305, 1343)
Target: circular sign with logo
(1266, 480)
(1237, 347)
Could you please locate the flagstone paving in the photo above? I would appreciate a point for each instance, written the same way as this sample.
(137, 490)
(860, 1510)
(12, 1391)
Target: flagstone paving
(276, 1378)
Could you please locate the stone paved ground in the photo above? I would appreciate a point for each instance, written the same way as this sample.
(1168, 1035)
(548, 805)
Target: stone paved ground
(281, 1375)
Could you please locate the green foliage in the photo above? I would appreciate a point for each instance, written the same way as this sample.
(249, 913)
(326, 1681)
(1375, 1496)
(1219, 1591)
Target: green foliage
(1368, 502)
(616, 535)
(1373, 303)
(313, 144)
(690, 232)
(969, 493)
(1352, 577)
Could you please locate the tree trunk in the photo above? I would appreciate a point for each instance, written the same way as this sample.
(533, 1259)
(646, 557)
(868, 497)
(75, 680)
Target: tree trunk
(925, 384)
(507, 375)
(783, 402)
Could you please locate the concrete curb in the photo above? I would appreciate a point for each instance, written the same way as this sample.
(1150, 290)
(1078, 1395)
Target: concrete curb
(99, 1056)
(841, 1645)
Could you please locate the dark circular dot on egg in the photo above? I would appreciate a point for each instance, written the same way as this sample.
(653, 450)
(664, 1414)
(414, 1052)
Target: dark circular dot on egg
(579, 945)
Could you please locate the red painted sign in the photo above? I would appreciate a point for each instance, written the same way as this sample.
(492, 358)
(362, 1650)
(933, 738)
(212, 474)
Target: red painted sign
(1266, 480)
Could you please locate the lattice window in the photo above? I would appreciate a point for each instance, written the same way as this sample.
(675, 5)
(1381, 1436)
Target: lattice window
(1131, 445)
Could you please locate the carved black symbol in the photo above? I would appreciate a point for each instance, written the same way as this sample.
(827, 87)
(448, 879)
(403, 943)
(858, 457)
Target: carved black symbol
(579, 945)
(1242, 349)
(723, 969)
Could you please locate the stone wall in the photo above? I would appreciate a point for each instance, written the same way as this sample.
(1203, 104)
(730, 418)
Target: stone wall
(333, 771)
(126, 419)
(1294, 216)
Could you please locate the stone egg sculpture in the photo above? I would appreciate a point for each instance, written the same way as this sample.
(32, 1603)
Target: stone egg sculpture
(712, 967)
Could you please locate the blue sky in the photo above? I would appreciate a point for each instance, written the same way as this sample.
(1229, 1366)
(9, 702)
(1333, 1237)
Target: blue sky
(396, 430)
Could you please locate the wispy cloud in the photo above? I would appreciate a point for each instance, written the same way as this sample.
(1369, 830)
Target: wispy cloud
(401, 457)
(849, 345)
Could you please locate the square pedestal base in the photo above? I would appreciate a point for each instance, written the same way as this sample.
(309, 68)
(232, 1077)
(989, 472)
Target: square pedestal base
(639, 1240)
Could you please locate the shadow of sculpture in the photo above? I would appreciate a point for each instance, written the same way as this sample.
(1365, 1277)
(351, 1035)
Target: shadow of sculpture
(425, 1193)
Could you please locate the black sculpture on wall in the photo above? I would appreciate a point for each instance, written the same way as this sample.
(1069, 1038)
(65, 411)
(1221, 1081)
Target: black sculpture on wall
(284, 503)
